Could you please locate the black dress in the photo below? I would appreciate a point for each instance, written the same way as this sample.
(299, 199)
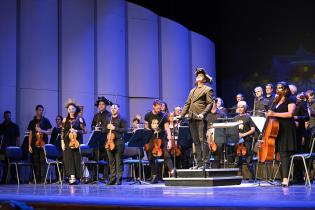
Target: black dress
(72, 157)
(286, 139)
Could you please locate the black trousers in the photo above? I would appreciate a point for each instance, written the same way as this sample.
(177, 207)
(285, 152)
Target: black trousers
(285, 163)
(198, 134)
(152, 159)
(72, 162)
(115, 159)
(39, 163)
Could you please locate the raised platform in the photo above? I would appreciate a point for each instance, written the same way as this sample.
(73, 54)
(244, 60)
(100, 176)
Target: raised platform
(207, 178)
(155, 197)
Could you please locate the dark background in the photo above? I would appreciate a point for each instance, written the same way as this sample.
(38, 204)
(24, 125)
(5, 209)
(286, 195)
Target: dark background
(248, 35)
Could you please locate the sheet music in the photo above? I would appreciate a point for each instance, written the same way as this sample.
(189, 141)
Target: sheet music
(225, 124)
(259, 122)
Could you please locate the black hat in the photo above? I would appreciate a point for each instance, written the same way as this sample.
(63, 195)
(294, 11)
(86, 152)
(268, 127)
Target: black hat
(203, 71)
(105, 100)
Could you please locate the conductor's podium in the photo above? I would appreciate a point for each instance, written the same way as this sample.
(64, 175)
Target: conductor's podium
(199, 178)
(208, 177)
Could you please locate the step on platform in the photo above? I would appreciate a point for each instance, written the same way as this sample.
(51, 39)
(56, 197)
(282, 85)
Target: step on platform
(211, 177)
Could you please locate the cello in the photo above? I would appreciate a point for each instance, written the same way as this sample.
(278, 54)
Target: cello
(266, 151)
(211, 142)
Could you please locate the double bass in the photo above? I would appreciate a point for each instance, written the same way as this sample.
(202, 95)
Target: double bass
(266, 151)
(211, 142)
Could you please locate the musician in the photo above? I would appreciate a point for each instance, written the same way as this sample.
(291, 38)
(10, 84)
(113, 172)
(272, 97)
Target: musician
(220, 105)
(9, 136)
(260, 104)
(211, 118)
(37, 127)
(197, 106)
(118, 126)
(56, 130)
(164, 107)
(73, 125)
(239, 97)
(100, 118)
(174, 132)
(283, 109)
(186, 150)
(293, 89)
(311, 106)
(246, 130)
(135, 124)
(301, 116)
(270, 96)
(158, 124)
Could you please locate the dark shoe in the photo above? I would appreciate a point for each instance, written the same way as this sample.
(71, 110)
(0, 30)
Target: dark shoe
(73, 183)
(118, 182)
(111, 182)
(149, 179)
(195, 167)
(154, 180)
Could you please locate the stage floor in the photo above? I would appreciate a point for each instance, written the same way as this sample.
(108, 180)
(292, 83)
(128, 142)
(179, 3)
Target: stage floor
(247, 195)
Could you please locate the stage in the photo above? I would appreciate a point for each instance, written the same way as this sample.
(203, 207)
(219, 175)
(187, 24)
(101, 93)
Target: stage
(247, 195)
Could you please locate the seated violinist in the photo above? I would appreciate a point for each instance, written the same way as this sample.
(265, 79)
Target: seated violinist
(214, 146)
(160, 140)
(246, 129)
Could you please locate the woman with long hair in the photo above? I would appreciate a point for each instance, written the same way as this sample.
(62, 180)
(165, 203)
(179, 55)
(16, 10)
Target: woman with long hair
(283, 109)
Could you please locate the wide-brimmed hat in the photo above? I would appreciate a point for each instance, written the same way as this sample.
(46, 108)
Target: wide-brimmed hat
(73, 103)
(103, 99)
(203, 71)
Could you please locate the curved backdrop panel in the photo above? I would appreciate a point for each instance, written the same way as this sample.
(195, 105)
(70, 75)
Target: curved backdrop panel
(54, 50)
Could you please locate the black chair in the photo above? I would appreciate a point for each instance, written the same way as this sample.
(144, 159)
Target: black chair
(87, 154)
(304, 157)
(15, 157)
(51, 157)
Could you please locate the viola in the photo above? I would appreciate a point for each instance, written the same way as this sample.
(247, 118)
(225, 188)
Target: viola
(39, 139)
(157, 150)
(74, 143)
(212, 144)
(241, 149)
(175, 150)
(110, 144)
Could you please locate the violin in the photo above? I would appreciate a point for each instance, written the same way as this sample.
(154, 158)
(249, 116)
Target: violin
(39, 139)
(74, 143)
(212, 144)
(110, 145)
(157, 150)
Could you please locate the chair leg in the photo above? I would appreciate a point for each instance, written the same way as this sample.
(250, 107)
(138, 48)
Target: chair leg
(17, 173)
(34, 177)
(256, 171)
(47, 173)
(8, 173)
(275, 175)
(291, 169)
(143, 172)
(306, 172)
(59, 174)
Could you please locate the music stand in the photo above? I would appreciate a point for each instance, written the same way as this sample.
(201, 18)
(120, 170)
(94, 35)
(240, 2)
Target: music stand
(139, 139)
(229, 134)
(96, 140)
(184, 137)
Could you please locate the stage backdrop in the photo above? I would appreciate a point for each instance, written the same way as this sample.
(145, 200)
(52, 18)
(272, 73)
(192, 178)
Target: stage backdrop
(54, 50)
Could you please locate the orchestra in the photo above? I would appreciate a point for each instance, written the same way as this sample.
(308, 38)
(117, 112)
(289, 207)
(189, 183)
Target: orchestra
(294, 112)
